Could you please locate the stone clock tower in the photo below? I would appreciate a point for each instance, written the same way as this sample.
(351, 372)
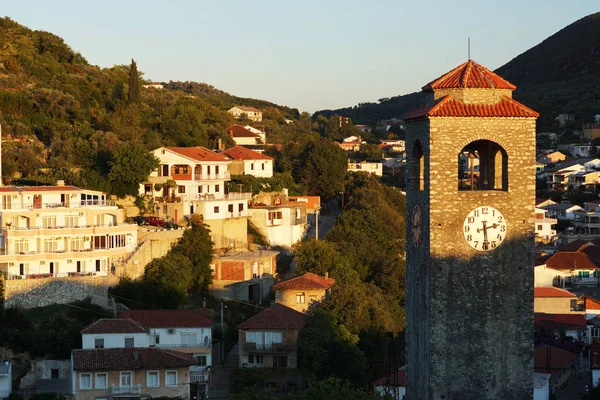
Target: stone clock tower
(470, 240)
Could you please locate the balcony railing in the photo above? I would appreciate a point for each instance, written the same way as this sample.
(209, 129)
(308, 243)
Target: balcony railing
(126, 391)
(223, 176)
(29, 228)
(55, 275)
(208, 344)
(546, 221)
(268, 348)
(72, 204)
(218, 196)
(31, 252)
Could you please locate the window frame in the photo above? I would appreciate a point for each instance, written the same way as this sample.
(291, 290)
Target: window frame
(96, 375)
(157, 379)
(81, 375)
(172, 371)
(300, 296)
(96, 345)
(125, 342)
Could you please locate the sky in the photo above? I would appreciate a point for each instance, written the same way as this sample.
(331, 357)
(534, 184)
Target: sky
(310, 55)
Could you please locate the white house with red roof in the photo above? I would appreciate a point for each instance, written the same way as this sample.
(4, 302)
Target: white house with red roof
(553, 300)
(60, 231)
(270, 338)
(545, 227)
(252, 113)
(200, 177)
(557, 362)
(249, 162)
(392, 386)
(243, 136)
(302, 292)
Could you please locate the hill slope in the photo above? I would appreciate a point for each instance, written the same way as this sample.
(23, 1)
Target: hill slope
(559, 75)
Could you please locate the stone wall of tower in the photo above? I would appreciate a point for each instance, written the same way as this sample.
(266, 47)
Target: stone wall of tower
(474, 309)
(474, 96)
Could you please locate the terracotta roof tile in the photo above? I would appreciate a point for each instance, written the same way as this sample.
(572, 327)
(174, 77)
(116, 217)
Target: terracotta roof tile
(449, 107)
(276, 317)
(551, 292)
(48, 188)
(570, 260)
(591, 303)
(239, 131)
(113, 325)
(129, 358)
(167, 318)
(242, 153)
(400, 378)
(559, 321)
(469, 75)
(552, 359)
(307, 281)
(197, 153)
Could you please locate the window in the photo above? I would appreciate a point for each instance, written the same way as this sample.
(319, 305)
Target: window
(71, 220)
(77, 244)
(180, 189)
(250, 337)
(188, 339)
(54, 373)
(181, 169)
(155, 339)
(241, 207)
(101, 381)
(539, 227)
(171, 378)
(152, 379)
(595, 332)
(201, 360)
(255, 359)
(216, 170)
(416, 166)
(277, 337)
(125, 380)
(22, 246)
(483, 165)
(216, 210)
(85, 381)
(280, 361)
(148, 188)
(252, 166)
(99, 343)
(263, 166)
(230, 208)
(50, 245)
(199, 188)
(300, 298)
(128, 342)
(49, 222)
(217, 188)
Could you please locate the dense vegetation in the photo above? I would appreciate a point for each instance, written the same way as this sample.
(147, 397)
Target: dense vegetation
(559, 75)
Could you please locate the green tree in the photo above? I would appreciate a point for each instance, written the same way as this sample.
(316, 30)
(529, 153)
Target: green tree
(324, 169)
(171, 276)
(335, 389)
(133, 93)
(130, 165)
(197, 246)
(316, 256)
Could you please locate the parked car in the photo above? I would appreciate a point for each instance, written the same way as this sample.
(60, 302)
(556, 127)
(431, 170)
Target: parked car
(155, 221)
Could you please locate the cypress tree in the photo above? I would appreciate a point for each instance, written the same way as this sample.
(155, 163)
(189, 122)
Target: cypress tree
(134, 83)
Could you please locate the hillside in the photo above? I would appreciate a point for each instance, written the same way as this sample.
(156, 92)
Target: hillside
(68, 118)
(559, 75)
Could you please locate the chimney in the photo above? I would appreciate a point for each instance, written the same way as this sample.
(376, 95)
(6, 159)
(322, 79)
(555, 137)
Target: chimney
(136, 355)
(204, 302)
(220, 144)
(60, 183)
(231, 133)
(327, 274)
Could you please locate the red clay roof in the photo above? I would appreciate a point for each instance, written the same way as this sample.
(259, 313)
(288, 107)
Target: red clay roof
(559, 321)
(167, 318)
(449, 107)
(551, 292)
(469, 75)
(307, 281)
(592, 251)
(276, 317)
(570, 260)
(48, 188)
(112, 325)
(242, 153)
(591, 303)
(129, 358)
(573, 246)
(399, 379)
(198, 153)
(239, 131)
(550, 359)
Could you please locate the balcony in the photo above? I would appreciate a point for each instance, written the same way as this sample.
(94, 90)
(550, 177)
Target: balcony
(218, 196)
(267, 348)
(126, 391)
(72, 204)
(206, 345)
(55, 275)
(225, 176)
(551, 221)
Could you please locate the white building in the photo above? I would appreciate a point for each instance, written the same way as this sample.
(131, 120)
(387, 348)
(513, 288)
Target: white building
(544, 227)
(375, 168)
(282, 225)
(253, 114)
(580, 150)
(60, 231)
(562, 211)
(243, 136)
(248, 162)
(5, 378)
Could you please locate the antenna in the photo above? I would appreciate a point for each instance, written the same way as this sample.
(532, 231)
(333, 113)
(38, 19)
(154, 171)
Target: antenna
(469, 48)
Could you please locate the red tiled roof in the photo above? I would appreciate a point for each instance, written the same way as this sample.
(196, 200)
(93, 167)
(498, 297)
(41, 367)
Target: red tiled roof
(449, 107)
(591, 303)
(469, 75)
(239, 131)
(559, 321)
(551, 292)
(399, 378)
(48, 188)
(113, 325)
(167, 318)
(552, 359)
(242, 153)
(592, 251)
(307, 281)
(570, 260)
(129, 358)
(198, 153)
(276, 317)
(574, 245)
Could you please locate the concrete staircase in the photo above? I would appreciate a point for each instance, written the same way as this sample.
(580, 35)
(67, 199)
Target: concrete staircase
(220, 384)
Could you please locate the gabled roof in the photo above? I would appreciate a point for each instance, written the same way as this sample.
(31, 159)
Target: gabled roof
(130, 358)
(570, 260)
(167, 318)
(559, 321)
(574, 245)
(551, 292)
(469, 75)
(307, 281)
(276, 317)
(559, 207)
(539, 200)
(553, 359)
(48, 188)
(247, 108)
(236, 130)
(591, 303)
(449, 107)
(592, 251)
(242, 153)
(398, 379)
(197, 153)
(113, 325)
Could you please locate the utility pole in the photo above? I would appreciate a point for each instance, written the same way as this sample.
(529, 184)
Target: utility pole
(222, 356)
(317, 223)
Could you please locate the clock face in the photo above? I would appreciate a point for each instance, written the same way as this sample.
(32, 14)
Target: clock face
(417, 228)
(484, 228)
